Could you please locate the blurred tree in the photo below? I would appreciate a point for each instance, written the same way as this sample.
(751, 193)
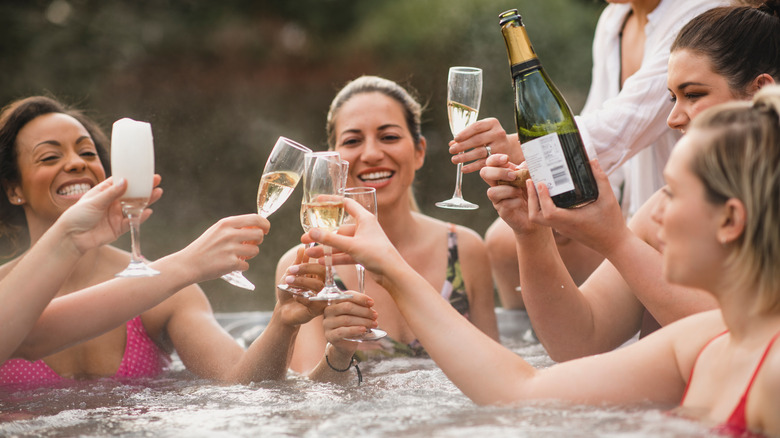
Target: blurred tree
(219, 81)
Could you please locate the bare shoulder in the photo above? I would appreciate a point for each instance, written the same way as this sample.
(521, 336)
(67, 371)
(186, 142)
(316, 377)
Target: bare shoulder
(287, 259)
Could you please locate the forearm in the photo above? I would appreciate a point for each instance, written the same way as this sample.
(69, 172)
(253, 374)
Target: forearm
(560, 314)
(106, 305)
(484, 370)
(30, 286)
(641, 266)
(269, 355)
(335, 367)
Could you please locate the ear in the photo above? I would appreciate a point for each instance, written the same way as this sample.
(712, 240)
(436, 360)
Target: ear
(14, 194)
(761, 81)
(733, 220)
(419, 153)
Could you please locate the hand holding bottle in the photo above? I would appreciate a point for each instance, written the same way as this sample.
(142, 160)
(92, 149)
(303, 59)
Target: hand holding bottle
(470, 145)
(509, 200)
(599, 225)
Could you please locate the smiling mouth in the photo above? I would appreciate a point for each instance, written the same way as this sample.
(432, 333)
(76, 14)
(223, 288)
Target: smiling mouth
(375, 177)
(74, 189)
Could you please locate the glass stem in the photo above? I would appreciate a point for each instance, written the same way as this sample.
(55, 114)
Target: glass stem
(458, 182)
(133, 214)
(361, 277)
(329, 281)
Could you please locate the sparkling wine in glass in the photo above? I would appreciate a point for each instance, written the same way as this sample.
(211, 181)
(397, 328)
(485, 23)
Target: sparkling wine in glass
(281, 174)
(464, 93)
(132, 158)
(323, 184)
(365, 196)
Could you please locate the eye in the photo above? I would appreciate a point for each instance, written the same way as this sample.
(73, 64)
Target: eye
(350, 142)
(694, 96)
(666, 191)
(90, 154)
(390, 138)
(672, 98)
(49, 158)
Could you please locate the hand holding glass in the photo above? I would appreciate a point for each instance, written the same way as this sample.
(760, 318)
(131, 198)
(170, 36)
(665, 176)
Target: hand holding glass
(132, 158)
(365, 196)
(323, 184)
(281, 174)
(464, 93)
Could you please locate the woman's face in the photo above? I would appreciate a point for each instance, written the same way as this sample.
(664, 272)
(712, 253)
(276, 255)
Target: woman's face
(58, 163)
(372, 135)
(688, 221)
(694, 87)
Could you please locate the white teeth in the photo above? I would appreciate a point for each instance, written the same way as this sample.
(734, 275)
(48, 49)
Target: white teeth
(376, 175)
(75, 189)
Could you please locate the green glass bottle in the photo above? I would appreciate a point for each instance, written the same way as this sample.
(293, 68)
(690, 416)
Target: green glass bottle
(551, 142)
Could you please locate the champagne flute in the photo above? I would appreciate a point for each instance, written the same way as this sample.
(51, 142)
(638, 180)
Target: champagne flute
(464, 93)
(323, 184)
(365, 196)
(132, 158)
(294, 289)
(280, 176)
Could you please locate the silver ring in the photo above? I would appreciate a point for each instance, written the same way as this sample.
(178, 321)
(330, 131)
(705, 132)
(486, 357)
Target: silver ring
(487, 149)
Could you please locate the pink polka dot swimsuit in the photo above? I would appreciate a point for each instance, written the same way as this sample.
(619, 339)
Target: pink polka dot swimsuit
(142, 358)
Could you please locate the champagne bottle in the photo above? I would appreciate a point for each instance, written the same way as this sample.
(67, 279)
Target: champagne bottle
(551, 142)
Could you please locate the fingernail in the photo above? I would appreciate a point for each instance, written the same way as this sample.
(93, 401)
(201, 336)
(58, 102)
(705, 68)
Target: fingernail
(289, 279)
(119, 181)
(293, 269)
(315, 234)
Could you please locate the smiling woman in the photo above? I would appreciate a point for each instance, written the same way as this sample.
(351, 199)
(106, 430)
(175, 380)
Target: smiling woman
(50, 159)
(374, 124)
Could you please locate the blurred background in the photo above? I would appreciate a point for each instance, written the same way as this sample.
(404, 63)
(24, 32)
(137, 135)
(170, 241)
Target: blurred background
(220, 81)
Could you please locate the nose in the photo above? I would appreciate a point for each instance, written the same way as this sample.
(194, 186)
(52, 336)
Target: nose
(677, 119)
(75, 163)
(372, 151)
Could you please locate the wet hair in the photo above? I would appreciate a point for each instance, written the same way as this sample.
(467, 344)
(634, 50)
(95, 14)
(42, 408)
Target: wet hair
(13, 118)
(741, 160)
(741, 42)
(374, 84)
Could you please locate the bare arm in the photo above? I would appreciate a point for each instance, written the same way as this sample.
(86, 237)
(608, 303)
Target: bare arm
(479, 283)
(570, 321)
(30, 283)
(654, 369)
(217, 251)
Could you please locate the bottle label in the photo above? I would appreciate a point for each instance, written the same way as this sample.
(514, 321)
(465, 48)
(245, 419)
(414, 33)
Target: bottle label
(523, 67)
(547, 164)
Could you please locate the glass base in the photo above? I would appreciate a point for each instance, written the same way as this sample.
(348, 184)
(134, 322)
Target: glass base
(457, 204)
(330, 293)
(297, 291)
(137, 269)
(371, 335)
(236, 278)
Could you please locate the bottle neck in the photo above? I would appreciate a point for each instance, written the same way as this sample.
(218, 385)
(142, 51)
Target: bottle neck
(522, 56)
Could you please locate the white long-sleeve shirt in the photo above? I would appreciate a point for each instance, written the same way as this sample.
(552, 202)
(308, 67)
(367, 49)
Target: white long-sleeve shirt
(627, 127)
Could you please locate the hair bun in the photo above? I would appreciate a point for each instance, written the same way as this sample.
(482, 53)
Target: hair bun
(771, 7)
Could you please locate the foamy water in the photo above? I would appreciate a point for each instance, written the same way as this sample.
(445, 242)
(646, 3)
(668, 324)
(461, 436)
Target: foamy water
(408, 397)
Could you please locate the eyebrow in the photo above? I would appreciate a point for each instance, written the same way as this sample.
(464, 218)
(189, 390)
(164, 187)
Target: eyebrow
(381, 128)
(56, 143)
(688, 84)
